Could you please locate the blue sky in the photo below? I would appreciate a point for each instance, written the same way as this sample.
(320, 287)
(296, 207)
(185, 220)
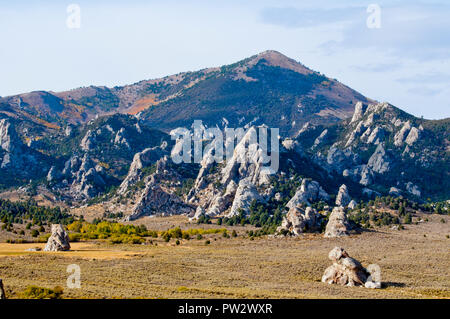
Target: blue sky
(405, 62)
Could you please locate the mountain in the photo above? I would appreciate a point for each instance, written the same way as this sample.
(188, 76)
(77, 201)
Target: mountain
(384, 149)
(266, 88)
(110, 145)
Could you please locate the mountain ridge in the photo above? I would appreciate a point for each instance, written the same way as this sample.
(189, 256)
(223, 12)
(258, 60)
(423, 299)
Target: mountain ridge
(82, 104)
(80, 144)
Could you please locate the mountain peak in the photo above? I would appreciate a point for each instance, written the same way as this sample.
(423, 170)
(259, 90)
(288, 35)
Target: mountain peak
(275, 58)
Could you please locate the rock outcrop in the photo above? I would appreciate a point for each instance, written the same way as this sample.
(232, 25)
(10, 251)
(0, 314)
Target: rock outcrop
(360, 174)
(157, 198)
(320, 139)
(394, 191)
(156, 201)
(347, 271)
(14, 154)
(379, 161)
(243, 171)
(247, 162)
(121, 138)
(376, 136)
(413, 136)
(88, 141)
(359, 112)
(246, 193)
(352, 204)
(299, 220)
(413, 189)
(309, 192)
(140, 160)
(58, 240)
(338, 159)
(87, 181)
(223, 202)
(338, 224)
(53, 174)
(343, 198)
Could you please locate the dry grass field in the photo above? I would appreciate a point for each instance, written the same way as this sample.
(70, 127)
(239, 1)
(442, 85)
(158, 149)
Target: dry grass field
(414, 263)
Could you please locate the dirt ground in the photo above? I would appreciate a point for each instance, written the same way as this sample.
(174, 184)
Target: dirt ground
(414, 264)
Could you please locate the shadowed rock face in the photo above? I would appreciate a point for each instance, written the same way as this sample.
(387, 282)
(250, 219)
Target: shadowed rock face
(140, 160)
(2, 290)
(156, 199)
(14, 154)
(347, 271)
(59, 240)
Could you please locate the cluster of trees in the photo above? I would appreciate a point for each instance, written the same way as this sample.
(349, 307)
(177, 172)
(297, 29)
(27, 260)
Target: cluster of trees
(403, 204)
(259, 217)
(118, 233)
(368, 214)
(178, 233)
(113, 215)
(115, 232)
(364, 218)
(437, 208)
(22, 212)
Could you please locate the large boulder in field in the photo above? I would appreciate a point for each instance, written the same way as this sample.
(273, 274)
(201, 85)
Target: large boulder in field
(347, 271)
(58, 240)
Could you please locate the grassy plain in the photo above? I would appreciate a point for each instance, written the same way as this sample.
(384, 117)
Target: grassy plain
(414, 264)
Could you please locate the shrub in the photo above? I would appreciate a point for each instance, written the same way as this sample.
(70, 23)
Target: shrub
(34, 233)
(74, 237)
(408, 219)
(126, 239)
(35, 292)
(44, 238)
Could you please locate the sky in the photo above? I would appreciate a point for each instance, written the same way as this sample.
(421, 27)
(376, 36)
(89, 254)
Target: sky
(394, 51)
